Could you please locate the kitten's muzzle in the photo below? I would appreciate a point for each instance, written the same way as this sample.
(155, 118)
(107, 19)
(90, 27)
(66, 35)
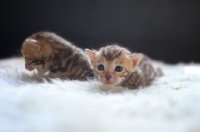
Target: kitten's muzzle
(29, 68)
(108, 77)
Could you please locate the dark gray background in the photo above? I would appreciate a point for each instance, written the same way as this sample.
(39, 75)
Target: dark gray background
(167, 30)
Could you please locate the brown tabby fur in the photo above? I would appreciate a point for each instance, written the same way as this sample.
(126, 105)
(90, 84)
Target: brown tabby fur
(47, 51)
(137, 68)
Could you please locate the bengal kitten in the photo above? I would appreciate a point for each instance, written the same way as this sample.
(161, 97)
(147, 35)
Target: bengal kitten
(47, 51)
(115, 65)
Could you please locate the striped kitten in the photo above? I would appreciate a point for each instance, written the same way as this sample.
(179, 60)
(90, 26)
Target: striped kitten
(47, 51)
(115, 65)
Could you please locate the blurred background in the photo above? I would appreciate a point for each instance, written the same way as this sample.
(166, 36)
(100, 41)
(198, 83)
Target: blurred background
(167, 30)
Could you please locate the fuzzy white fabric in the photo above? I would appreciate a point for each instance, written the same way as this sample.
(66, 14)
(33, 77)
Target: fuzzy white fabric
(30, 104)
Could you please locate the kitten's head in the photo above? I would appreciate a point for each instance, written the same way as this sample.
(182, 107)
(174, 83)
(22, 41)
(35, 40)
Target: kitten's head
(113, 63)
(34, 53)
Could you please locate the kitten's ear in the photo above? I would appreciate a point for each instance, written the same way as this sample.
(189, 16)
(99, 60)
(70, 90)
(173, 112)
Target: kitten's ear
(91, 53)
(136, 59)
(31, 41)
(34, 44)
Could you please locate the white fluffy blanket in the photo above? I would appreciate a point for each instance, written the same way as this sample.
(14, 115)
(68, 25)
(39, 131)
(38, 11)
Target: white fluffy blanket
(29, 104)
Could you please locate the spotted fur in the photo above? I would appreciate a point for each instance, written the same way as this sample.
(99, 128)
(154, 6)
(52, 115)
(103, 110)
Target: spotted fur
(47, 51)
(137, 70)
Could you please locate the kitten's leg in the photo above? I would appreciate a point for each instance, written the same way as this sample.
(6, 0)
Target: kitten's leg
(41, 70)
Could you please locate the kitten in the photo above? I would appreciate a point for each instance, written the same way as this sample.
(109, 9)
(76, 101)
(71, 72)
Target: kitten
(47, 51)
(115, 65)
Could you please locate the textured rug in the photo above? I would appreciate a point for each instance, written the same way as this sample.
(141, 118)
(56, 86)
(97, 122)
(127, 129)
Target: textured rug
(29, 103)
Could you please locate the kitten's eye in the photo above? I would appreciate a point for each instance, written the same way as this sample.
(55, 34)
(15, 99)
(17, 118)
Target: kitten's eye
(118, 68)
(100, 67)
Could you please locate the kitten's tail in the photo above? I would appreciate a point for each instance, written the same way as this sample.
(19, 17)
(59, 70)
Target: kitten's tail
(159, 72)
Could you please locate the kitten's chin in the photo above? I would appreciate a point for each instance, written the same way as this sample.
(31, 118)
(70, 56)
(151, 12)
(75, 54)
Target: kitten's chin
(110, 84)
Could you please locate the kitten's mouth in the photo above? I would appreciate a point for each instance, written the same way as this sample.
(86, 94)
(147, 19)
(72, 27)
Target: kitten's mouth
(110, 82)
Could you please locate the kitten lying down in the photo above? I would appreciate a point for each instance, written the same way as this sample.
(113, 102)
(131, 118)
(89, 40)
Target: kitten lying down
(48, 52)
(115, 65)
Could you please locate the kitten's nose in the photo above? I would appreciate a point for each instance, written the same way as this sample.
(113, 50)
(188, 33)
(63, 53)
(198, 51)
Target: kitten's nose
(29, 68)
(108, 77)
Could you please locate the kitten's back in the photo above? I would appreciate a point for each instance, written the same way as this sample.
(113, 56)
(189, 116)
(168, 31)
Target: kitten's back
(51, 38)
(144, 75)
